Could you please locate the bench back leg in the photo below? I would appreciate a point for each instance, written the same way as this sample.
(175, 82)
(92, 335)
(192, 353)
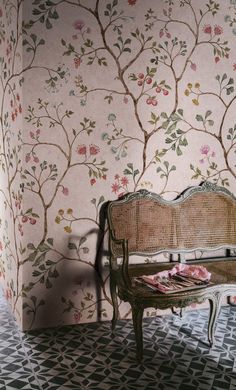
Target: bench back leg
(114, 299)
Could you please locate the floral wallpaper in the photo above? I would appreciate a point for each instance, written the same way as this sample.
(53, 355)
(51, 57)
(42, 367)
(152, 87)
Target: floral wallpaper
(100, 98)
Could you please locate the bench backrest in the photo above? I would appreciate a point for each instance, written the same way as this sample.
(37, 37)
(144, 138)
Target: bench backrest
(202, 218)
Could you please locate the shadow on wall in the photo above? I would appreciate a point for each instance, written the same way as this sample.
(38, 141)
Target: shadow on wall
(83, 285)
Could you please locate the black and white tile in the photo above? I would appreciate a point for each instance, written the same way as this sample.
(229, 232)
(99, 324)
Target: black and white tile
(86, 356)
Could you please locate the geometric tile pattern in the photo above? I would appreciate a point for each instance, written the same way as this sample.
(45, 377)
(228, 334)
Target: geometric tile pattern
(86, 356)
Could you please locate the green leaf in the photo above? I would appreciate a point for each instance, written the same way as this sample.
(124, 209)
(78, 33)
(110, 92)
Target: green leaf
(208, 113)
(231, 81)
(171, 128)
(82, 240)
(40, 259)
(101, 200)
(31, 246)
(178, 151)
(166, 163)
(33, 37)
(199, 118)
(72, 246)
(48, 24)
(224, 77)
(48, 283)
(127, 172)
(210, 122)
(43, 247)
(164, 115)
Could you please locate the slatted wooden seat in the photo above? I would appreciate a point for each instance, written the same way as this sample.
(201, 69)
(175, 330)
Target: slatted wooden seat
(203, 218)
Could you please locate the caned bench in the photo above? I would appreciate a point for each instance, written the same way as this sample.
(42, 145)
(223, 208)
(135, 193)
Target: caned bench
(201, 220)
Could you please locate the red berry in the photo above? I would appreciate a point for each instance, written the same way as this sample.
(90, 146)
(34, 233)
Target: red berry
(165, 92)
(158, 89)
(140, 83)
(24, 218)
(154, 102)
(32, 221)
(149, 101)
(140, 75)
(149, 80)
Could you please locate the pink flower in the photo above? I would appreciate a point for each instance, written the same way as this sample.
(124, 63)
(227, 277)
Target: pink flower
(193, 66)
(77, 62)
(201, 161)
(104, 177)
(81, 149)
(36, 159)
(125, 100)
(161, 33)
(20, 229)
(93, 149)
(77, 317)
(205, 149)
(65, 191)
(27, 157)
(124, 181)
(37, 132)
(217, 59)
(79, 24)
(115, 187)
(31, 134)
(117, 176)
(132, 2)
(92, 182)
(218, 30)
(207, 29)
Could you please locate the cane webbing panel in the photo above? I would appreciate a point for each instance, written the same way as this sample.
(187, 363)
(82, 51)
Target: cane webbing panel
(207, 220)
(204, 220)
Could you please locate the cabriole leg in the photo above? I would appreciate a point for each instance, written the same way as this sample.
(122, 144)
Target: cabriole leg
(137, 313)
(114, 302)
(214, 311)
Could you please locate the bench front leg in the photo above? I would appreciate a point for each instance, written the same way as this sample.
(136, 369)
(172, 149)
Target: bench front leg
(214, 302)
(137, 315)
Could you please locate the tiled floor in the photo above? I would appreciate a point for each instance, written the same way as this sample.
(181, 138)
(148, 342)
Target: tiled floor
(82, 357)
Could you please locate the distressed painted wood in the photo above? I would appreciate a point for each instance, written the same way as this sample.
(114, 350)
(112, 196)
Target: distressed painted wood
(203, 218)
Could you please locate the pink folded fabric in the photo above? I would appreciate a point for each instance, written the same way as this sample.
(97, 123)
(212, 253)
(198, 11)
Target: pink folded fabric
(194, 271)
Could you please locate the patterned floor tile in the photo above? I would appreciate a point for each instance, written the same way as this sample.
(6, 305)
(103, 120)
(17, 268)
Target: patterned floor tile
(176, 355)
